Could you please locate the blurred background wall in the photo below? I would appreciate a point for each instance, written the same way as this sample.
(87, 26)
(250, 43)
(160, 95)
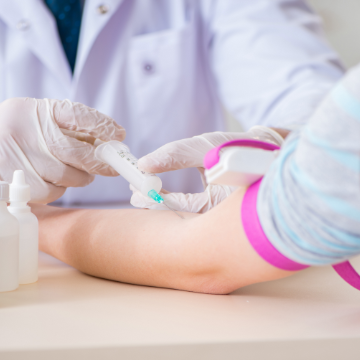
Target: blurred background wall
(342, 26)
(341, 22)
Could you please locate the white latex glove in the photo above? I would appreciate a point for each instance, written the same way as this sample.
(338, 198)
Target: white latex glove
(31, 140)
(190, 152)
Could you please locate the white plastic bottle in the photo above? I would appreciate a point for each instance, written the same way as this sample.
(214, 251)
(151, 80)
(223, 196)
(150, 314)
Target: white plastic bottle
(28, 229)
(9, 244)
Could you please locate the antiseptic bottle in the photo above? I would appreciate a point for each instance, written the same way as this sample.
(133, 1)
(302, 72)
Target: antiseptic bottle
(9, 243)
(28, 229)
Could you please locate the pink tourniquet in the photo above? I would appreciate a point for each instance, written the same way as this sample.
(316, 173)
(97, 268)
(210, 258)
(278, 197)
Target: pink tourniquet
(267, 251)
(256, 235)
(212, 157)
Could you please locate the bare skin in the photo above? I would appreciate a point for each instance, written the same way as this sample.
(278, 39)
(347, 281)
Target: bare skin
(283, 132)
(204, 253)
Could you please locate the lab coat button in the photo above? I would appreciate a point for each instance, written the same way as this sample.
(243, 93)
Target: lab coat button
(148, 68)
(23, 25)
(102, 9)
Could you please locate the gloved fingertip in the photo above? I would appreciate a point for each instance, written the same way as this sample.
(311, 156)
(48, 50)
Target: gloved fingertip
(139, 201)
(109, 172)
(133, 188)
(147, 164)
(136, 203)
(120, 134)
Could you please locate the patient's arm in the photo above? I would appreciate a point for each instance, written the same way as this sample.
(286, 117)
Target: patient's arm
(204, 253)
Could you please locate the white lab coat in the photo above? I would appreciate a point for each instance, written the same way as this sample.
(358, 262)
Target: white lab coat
(163, 68)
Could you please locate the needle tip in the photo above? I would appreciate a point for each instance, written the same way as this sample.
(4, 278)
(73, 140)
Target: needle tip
(173, 211)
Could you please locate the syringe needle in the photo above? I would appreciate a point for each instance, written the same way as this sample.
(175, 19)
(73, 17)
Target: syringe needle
(160, 200)
(173, 210)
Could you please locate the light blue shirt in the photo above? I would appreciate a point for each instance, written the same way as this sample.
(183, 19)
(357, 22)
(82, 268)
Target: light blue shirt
(309, 202)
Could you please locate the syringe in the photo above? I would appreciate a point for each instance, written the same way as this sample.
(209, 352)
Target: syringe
(118, 156)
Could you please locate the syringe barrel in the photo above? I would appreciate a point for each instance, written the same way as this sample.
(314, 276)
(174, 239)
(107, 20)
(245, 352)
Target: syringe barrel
(118, 156)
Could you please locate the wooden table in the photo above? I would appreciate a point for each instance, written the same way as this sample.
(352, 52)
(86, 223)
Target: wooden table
(69, 315)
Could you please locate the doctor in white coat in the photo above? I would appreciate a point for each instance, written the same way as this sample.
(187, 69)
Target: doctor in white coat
(163, 70)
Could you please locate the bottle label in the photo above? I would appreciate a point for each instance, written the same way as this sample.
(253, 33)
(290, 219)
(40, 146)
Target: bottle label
(133, 160)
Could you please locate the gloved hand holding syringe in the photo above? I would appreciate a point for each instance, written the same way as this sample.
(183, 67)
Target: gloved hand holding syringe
(118, 156)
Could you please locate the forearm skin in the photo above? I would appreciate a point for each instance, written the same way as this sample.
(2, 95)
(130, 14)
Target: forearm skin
(204, 253)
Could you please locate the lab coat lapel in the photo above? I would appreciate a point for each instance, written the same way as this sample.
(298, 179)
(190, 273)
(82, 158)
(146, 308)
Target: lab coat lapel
(39, 30)
(93, 21)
